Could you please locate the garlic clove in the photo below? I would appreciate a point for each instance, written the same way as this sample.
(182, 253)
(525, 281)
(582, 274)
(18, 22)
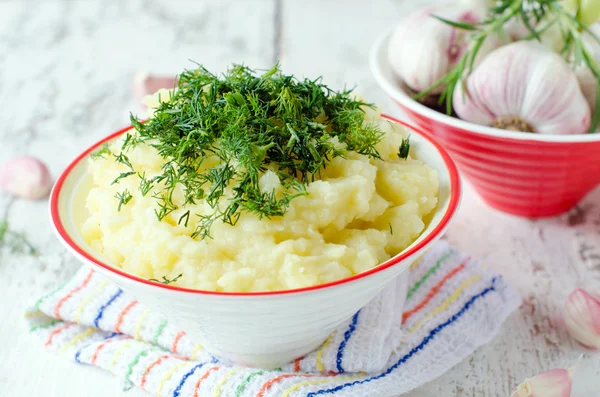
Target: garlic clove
(423, 49)
(586, 78)
(526, 83)
(25, 177)
(146, 84)
(582, 318)
(482, 4)
(589, 11)
(554, 383)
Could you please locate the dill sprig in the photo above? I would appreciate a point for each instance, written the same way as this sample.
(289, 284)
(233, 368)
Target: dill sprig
(16, 242)
(123, 197)
(537, 16)
(404, 148)
(166, 280)
(101, 153)
(219, 134)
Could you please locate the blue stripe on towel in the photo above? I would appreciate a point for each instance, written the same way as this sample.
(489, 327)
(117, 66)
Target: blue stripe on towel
(423, 343)
(347, 336)
(177, 390)
(88, 345)
(104, 306)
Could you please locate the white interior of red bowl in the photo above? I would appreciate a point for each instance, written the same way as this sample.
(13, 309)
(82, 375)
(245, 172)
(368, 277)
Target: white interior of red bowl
(382, 71)
(67, 207)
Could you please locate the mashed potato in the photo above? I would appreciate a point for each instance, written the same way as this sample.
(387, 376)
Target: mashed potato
(358, 214)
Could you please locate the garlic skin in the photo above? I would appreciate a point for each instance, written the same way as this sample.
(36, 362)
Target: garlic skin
(524, 87)
(25, 177)
(586, 78)
(423, 49)
(554, 383)
(582, 318)
(516, 30)
(588, 11)
(146, 84)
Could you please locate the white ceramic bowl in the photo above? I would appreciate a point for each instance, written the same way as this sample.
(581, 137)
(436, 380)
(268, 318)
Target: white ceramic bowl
(265, 329)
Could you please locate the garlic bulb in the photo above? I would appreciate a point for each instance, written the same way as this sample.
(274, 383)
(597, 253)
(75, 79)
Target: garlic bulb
(25, 177)
(524, 87)
(588, 11)
(587, 80)
(582, 318)
(423, 49)
(554, 383)
(146, 84)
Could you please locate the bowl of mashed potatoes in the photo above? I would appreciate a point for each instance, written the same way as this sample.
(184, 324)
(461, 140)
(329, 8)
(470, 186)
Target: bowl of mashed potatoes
(256, 223)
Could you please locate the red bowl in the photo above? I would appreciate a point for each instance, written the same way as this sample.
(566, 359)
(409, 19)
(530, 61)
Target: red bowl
(530, 175)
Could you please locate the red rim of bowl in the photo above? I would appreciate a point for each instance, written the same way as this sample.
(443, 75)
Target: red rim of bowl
(455, 189)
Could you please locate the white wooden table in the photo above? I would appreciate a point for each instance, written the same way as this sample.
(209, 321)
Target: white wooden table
(65, 73)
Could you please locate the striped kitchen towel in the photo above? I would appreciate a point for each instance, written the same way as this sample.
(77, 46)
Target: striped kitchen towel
(386, 349)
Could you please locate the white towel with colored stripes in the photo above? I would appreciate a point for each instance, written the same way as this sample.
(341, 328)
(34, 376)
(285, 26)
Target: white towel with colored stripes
(452, 307)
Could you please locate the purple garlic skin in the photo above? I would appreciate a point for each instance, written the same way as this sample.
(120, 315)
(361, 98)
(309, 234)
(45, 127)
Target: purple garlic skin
(25, 177)
(147, 84)
(581, 315)
(422, 49)
(554, 383)
(524, 81)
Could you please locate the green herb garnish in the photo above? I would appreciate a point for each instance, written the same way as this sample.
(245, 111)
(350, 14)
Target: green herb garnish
(102, 153)
(16, 242)
(123, 175)
(124, 197)
(404, 148)
(537, 16)
(219, 134)
(121, 158)
(166, 280)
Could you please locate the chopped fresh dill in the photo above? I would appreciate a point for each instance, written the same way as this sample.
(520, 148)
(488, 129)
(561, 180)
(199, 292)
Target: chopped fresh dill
(124, 198)
(145, 184)
(404, 148)
(166, 280)
(123, 175)
(391, 230)
(16, 242)
(121, 158)
(101, 153)
(219, 134)
(185, 218)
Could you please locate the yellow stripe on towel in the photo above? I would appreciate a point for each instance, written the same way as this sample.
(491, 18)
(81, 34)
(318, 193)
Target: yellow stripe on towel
(224, 379)
(88, 299)
(320, 366)
(78, 338)
(320, 381)
(452, 298)
(168, 376)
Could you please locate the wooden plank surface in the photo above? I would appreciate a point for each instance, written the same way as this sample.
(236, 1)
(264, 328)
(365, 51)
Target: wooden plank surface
(65, 74)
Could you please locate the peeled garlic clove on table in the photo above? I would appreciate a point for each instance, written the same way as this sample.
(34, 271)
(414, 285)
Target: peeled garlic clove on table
(582, 318)
(25, 177)
(423, 49)
(554, 383)
(524, 87)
